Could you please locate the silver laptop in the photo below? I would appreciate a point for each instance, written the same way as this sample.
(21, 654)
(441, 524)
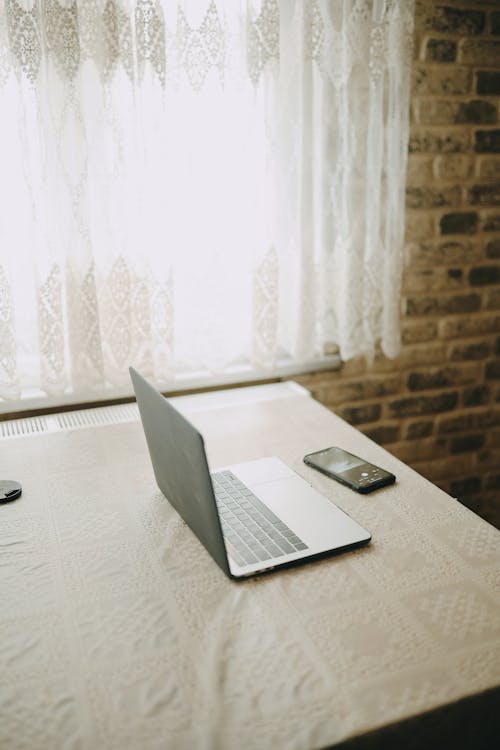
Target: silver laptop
(251, 517)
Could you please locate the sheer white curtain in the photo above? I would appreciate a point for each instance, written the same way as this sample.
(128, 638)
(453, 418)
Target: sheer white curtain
(199, 186)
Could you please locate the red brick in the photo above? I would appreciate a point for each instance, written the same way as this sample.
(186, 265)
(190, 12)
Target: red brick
(453, 167)
(416, 331)
(432, 279)
(467, 421)
(462, 327)
(483, 275)
(469, 350)
(358, 390)
(419, 429)
(465, 443)
(441, 50)
(464, 222)
(442, 377)
(439, 141)
(383, 433)
(488, 168)
(360, 414)
(488, 82)
(430, 197)
(442, 252)
(484, 195)
(436, 80)
(479, 52)
(453, 20)
(443, 305)
(413, 406)
(487, 141)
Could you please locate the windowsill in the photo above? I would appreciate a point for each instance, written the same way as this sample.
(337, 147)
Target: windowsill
(33, 404)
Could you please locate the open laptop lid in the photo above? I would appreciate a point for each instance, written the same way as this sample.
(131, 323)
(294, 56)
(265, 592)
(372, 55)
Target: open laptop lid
(180, 466)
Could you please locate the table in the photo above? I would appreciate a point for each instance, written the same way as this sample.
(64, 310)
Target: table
(118, 631)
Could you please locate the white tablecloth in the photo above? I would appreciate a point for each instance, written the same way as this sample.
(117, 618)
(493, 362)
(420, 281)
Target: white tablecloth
(117, 630)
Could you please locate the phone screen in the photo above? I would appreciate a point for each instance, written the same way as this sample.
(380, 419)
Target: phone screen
(337, 461)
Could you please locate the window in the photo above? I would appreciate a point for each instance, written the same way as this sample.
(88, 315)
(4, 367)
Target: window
(203, 189)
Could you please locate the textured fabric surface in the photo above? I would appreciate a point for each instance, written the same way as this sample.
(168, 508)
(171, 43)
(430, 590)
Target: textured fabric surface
(117, 630)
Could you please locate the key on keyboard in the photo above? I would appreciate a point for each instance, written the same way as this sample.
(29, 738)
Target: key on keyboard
(251, 530)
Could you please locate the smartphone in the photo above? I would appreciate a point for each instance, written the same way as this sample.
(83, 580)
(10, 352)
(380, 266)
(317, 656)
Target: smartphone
(348, 469)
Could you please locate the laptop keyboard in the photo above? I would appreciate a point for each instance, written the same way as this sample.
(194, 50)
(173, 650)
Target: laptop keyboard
(252, 532)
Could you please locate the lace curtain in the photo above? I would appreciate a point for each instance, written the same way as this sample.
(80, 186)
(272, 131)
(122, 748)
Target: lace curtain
(199, 186)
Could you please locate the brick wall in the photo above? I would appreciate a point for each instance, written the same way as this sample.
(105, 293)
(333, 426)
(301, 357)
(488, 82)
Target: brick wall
(437, 406)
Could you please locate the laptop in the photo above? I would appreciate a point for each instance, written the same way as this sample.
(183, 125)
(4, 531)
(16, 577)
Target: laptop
(251, 517)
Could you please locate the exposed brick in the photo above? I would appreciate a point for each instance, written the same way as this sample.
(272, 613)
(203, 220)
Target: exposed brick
(492, 370)
(439, 142)
(441, 377)
(492, 482)
(450, 112)
(432, 280)
(432, 80)
(441, 50)
(470, 350)
(495, 23)
(490, 223)
(443, 305)
(488, 82)
(493, 249)
(479, 52)
(417, 331)
(477, 112)
(411, 356)
(487, 141)
(420, 169)
(369, 388)
(488, 168)
(452, 167)
(415, 405)
(494, 441)
(476, 396)
(493, 300)
(418, 197)
(489, 457)
(435, 111)
(464, 222)
(384, 433)
(465, 443)
(419, 429)
(360, 414)
(467, 421)
(455, 20)
(448, 252)
(418, 226)
(450, 328)
(484, 275)
(462, 487)
(484, 195)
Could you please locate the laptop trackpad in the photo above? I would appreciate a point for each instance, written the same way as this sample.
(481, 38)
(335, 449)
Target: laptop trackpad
(253, 473)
